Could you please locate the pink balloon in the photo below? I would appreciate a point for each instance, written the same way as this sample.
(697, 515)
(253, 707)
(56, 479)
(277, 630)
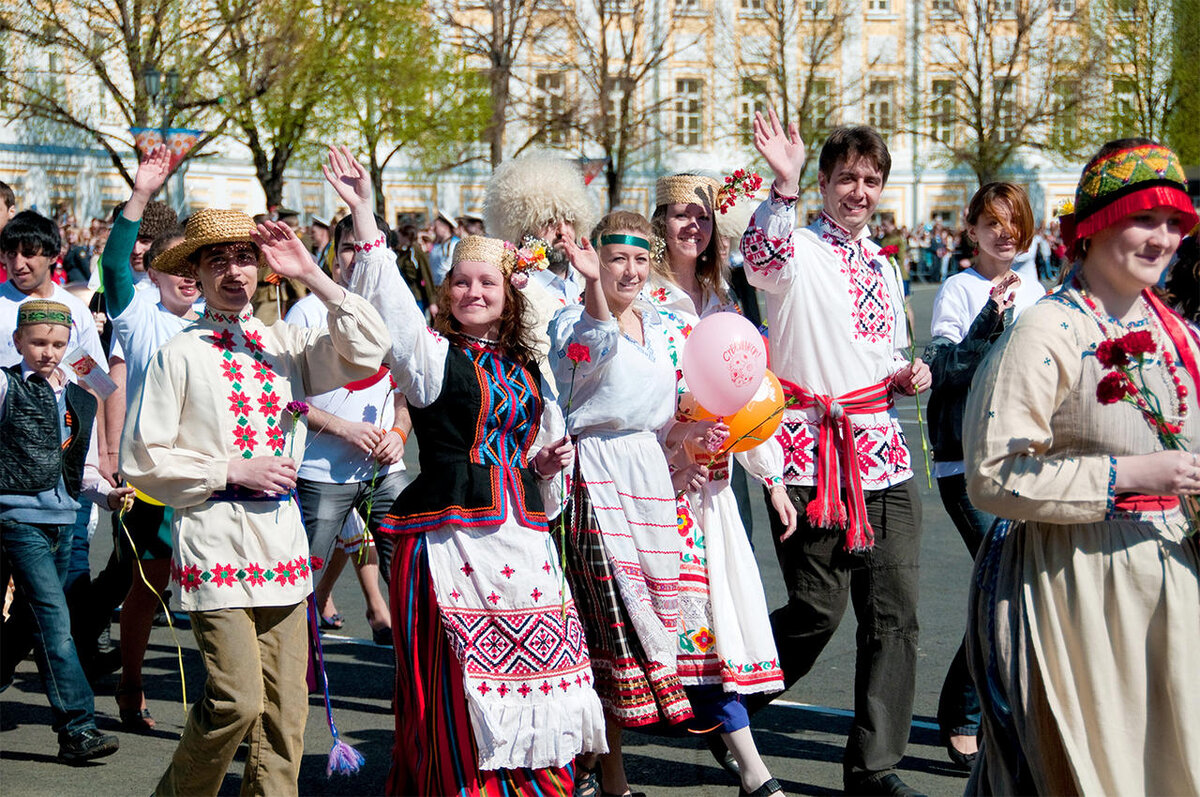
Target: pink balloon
(723, 362)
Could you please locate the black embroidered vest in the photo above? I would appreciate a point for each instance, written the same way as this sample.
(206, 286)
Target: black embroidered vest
(32, 455)
(474, 444)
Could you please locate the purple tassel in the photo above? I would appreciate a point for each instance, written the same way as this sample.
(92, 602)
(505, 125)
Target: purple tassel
(343, 759)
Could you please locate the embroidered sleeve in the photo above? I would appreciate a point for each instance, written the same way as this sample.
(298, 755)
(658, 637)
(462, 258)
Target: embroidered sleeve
(764, 462)
(1008, 430)
(580, 346)
(418, 354)
(767, 244)
(551, 429)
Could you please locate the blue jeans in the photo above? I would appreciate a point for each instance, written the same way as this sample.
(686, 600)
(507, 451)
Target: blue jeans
(38, 557)
(958, 704)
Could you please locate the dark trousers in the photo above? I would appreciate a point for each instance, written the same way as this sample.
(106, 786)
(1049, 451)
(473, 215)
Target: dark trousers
(37, 556)
(958, 704)
(822, 577)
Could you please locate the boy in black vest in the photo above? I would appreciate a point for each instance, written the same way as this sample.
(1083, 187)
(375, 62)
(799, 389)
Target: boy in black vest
(48, 460)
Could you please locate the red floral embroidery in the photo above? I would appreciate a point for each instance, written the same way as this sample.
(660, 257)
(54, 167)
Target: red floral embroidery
(659, 294)
(253, 340)
(254, 574)
(263, 372)
(502, 690)
(284, 573)
(494, 598)
(483, 688)
(686, 330)
(564, 684)
(268, 404)
(276, 439)
(189, 578)
(536, 594)
(239, 403)
(223, 575)
(243, 438)
(524, 690)
(546, 688)
(467, 569)
(232, 371)
(223, 339)
(507, 571)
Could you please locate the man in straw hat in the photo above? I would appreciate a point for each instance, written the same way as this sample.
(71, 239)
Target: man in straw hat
(838, 343)
(48, 461)
(212, 434)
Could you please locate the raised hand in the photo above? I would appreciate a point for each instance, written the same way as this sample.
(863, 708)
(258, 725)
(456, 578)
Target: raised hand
(284, 252)
(152, 172)
(583, 258)
(783, 152)
(349, 178)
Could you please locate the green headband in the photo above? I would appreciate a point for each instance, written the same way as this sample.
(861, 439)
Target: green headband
(628, 240)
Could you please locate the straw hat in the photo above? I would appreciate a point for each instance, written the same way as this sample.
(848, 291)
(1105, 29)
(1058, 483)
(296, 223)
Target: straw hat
(208, 227)
(43, 311)
(480, 249)
(687, 189)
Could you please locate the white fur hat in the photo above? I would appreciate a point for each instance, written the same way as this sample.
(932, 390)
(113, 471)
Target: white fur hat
(527, 193)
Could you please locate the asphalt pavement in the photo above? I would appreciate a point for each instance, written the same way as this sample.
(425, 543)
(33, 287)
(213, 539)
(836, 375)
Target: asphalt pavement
(801, 735)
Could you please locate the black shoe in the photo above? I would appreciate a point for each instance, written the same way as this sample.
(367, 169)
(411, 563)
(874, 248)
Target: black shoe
(86, 745)
(961, 760)
(722, 754)
(769, 787)
(876, 784)
(102, 664)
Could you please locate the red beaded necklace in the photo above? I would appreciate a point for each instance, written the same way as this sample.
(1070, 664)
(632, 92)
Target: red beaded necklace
(1168, 358)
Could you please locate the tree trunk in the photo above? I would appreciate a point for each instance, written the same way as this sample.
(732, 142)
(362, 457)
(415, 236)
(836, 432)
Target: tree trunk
(614, 179)
(499, 88)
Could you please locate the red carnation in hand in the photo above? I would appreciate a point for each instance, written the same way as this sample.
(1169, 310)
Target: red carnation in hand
(1113, 388)
(578, 353)
(891, 250)
(1111, 354)
(1138, 343)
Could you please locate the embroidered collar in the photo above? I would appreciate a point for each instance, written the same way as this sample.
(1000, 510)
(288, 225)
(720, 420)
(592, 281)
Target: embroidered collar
(232, 319)
(835, 233)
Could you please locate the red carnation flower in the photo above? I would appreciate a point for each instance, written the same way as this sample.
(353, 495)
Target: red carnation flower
(1113, 388)
(1112, 353)
(1138, 343)
(579, 353)
(891, 250)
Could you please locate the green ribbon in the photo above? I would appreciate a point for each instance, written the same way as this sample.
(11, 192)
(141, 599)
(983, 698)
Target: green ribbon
(629, 240)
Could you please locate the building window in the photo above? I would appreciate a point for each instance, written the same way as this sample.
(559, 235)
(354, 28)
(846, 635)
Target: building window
(881, 105)
(1006, 109)
(1124, 108)
(943, 111)
(879, 6)
(550, 107)
(752, 6)
(815, 7)
(687, 6)
(618, 88)
(1064, 7)
(1065, 131)
(1006, 6)
(820, 103)
(1125, 9)
(941, 7)
(689, 111)
(754, 99)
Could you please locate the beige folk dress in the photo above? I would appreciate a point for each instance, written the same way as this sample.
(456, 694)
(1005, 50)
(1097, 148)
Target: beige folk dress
(1084, 624)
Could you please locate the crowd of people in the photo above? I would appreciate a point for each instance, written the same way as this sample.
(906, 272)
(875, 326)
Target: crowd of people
(571, 556)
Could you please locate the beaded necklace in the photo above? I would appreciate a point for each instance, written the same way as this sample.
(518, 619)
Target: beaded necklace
(1180, 407)
(485, 342)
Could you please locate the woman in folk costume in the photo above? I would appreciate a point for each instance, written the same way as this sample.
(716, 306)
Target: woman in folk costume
(493, 684)
(1083, 632)
(726, 648)
(617, 386)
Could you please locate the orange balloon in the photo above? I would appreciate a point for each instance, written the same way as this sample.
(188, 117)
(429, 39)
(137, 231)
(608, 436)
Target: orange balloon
(754, 423)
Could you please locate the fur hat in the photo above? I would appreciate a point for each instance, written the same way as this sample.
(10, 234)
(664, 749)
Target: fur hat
(206, 228)
(156, 218)
(528, 193)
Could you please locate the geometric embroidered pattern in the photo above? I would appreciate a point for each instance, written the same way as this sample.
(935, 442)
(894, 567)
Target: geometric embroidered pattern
(247, 375)
(763, 254)
(882, 451)
(510, 410)
(515, 645)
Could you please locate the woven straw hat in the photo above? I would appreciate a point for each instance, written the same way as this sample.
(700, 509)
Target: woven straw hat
(43, 311)
(209, 226)
(480, 249)
(687, 189)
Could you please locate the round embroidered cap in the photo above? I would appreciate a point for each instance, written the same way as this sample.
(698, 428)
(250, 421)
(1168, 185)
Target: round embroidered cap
(43, 311)
(1126, 181)
(208, 227)
(481, 249)
(687, 189)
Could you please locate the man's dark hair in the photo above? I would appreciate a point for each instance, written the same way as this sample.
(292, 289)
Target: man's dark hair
(31, 233)
(851, 143)
(6, 195)
(162, 242)
(346, 227)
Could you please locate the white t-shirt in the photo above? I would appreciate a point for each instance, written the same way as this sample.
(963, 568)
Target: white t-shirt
(138, 333)
(956, 307)
(83, 327)
(327, 457)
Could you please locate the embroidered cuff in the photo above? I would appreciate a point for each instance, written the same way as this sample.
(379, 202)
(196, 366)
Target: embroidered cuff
(380, 241)
(789, 201)
(1111, 503)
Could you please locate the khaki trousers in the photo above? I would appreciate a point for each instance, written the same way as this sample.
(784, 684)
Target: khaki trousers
(256, 660)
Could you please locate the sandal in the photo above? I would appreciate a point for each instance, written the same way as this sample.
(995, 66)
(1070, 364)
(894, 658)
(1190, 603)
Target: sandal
(332, 623)
(135, 720)
(587, 782)
(382, 636)
(769, 787)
